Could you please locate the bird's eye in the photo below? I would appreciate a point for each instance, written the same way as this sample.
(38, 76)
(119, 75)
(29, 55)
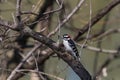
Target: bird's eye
(66, 36)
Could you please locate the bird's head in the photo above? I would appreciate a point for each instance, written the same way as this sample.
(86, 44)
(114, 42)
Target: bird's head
(66, 37)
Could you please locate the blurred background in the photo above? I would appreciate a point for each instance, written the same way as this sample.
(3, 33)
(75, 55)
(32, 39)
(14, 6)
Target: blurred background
(91, 59)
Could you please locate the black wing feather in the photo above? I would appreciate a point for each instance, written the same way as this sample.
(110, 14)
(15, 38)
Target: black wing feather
(73, 46)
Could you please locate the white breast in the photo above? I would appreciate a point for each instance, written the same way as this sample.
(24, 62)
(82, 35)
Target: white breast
(68, 48)
(66, 44)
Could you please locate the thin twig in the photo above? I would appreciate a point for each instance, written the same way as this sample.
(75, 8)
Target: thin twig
(18, 10)
(89, 28)
(7, 24)
(35, 71)
(105, 65)
(22, 62)
(96, 58)
(49, 12)
(97, 17)
(110, 31)
(98, 49)
(37, 66)
(56, 10)
(67, 18)
(28, 12)
(100, 34)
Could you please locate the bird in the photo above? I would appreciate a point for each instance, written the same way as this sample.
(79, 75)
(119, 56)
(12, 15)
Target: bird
(70, 46)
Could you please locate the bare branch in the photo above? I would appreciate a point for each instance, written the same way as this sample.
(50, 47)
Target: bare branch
(22, 62)
(28, 12)
(56, 10)
(7, 24)
(97, 17)
(18, 10)
(105, 65)
(67, 18)
(99, 49)
(34, 71)
(77, 67)
(110, 31)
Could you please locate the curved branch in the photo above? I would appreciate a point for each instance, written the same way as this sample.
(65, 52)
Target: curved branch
(99, 49)
(97, 17)
(67, 18)
(75, 65)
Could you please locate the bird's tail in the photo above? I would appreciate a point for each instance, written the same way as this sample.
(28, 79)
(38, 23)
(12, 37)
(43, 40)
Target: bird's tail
(77, 58)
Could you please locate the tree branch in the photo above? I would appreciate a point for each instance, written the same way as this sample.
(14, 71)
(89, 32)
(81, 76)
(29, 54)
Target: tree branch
(67, 18)
(22, 62)
(7, 24)
(18, 11)
(105, 65)
(97, 17)
(75, 65)
(99, 49)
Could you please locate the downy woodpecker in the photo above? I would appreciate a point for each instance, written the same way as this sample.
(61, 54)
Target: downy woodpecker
(70, 46)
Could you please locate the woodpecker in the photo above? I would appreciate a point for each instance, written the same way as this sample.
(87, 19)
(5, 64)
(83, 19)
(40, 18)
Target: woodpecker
(70, 46)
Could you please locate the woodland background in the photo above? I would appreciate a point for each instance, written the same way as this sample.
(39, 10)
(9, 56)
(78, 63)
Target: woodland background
(31, 49)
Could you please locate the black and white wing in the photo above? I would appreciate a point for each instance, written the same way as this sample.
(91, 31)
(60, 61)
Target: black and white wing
(74, 48)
